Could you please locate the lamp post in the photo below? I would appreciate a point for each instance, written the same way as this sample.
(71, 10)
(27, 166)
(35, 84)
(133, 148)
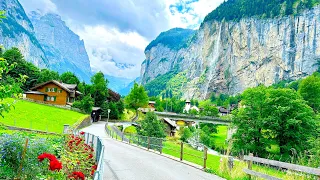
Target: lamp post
(108, 115)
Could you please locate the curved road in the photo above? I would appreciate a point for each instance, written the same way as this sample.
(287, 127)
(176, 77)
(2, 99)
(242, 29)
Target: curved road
(126, 162)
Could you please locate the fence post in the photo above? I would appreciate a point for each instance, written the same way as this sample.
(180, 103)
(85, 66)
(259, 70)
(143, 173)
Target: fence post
(205, 157)
(92, 141)
(23, 155)
(181, 152)
(122, 137)
(148, 142)
(161, 146)
(230, 162)
(250, 165)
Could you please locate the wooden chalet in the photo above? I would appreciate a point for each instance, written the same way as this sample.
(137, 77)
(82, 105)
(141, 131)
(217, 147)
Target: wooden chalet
(54, 92)
(113, 96)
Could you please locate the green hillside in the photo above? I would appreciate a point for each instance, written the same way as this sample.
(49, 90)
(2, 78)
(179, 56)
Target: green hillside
(237, 9)
(39, 117)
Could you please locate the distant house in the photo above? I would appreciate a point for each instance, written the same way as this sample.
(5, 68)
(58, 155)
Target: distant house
(54, 92)
(152, 104)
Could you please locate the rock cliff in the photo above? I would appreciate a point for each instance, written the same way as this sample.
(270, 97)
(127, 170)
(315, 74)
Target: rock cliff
(230, 56)
(16, 30)
(62, 46)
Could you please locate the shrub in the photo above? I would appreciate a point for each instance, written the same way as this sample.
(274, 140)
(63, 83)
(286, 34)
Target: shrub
(130, 130)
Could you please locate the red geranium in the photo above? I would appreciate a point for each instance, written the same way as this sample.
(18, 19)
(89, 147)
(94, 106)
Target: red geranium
(55, 165)
(90, 156)
(82, 133)
(77, 175)
(43, 156)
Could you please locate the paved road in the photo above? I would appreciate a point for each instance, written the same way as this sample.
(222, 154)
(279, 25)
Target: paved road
(126, 162)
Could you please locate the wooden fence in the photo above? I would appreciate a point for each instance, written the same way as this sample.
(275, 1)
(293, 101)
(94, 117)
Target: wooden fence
(250, 159)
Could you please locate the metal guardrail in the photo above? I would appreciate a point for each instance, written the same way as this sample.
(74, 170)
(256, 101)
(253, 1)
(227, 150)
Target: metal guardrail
(156, 144)
(96, 143)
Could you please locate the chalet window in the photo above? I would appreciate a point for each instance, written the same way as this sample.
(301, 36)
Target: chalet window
(52, 98)
(59, 91)
(48, 98)
(47, 89)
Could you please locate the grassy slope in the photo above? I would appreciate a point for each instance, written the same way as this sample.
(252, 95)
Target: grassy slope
(39, 116)
(221, 136)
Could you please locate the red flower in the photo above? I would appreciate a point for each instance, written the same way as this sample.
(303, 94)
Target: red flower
(77, 175)
(55, 165)
(94, 167)
(92, 172)
(43, 156)
(82, 133)
(90, 156)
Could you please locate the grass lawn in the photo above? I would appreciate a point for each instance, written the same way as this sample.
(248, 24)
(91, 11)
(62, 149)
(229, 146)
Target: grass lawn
(127, 115)
(39, 117)
(213, 163)
(221, 136)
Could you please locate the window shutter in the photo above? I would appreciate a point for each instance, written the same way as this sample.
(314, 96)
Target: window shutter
(55, 89)
(55, 98)
(46, 89)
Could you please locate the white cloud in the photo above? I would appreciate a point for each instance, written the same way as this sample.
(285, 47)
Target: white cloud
(120, 30)
(106, 45)
(192, 14)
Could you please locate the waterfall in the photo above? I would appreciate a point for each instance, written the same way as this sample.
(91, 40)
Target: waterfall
(213, 61)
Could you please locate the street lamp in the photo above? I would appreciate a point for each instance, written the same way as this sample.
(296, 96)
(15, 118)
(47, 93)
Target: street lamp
(108, 115)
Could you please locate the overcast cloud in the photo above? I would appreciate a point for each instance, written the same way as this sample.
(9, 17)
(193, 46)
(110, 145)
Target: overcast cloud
(117, 31)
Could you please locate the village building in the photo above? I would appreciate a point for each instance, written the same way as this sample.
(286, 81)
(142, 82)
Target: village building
(54, 92)
(188, 107)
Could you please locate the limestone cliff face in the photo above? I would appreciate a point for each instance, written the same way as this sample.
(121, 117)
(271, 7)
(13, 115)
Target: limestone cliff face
(16, 30)
(62, 46)
(228, 57)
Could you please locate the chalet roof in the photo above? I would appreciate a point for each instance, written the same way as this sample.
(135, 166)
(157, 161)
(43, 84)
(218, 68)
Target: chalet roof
(96, 108)
(224, 110)
(69, 86)
(169, 121)
(35, 92)
(66, 87)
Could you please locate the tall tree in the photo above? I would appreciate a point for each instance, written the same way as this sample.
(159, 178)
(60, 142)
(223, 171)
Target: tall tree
(152, 127)
(48, 75)
(14, 56)
(137, 97)
(309, 89)
(289, 120)
(69, 78)
(249, 122)
(99, 88)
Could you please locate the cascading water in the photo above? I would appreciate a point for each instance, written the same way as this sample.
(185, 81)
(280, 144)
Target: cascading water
(213, 61)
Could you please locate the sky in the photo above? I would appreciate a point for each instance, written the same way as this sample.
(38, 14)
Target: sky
(116, 32)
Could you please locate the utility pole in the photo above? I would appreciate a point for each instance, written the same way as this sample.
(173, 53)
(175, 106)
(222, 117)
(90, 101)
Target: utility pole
(108, 115)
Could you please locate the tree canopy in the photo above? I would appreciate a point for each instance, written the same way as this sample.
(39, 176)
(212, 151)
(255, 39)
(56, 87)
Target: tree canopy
(152, 127)
(271, 116)
(69, 78)
(137, 97)
(99, 89)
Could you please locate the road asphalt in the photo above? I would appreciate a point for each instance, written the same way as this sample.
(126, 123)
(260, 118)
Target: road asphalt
(125, 162)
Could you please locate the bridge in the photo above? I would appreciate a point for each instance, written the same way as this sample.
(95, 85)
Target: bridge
(189, 118)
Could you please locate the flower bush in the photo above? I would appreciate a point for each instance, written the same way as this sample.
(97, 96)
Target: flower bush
(11, 148)
(47, 157)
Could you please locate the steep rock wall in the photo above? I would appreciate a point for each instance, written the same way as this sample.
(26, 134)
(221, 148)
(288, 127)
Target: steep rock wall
(228, 57)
